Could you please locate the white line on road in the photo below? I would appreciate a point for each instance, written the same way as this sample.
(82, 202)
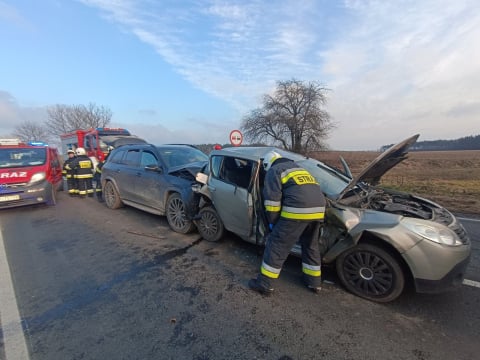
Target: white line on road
(468, 219)
(13, 338)
(471, 283)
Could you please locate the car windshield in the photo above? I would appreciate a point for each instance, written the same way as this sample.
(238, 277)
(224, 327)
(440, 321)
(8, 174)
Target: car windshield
(331, 181)
(180, 156)
(18, 157)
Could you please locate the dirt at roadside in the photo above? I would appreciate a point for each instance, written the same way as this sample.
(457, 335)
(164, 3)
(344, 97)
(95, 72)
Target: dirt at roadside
(450, 178)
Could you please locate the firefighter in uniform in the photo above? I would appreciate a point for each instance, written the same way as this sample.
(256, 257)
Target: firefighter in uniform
(295, 209)
(98, 174)
(83, 169)
(68, 173)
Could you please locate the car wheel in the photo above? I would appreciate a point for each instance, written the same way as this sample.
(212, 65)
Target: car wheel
(111, 196)
(176, 216)
(52, 199)
(371, 273)
(209, 225)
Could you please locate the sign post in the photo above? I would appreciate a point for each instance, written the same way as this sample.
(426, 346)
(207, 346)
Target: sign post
(236, 138)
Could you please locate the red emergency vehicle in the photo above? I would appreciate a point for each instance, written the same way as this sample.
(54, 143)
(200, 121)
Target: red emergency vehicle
(29, 173)
(97, 142)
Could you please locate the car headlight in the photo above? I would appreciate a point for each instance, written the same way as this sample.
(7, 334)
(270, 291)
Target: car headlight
(40, 176)
(439, 234)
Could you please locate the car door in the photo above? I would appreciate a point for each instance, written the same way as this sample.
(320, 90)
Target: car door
(126, 173)
(229, 184)
(55, 167)
(150, 183)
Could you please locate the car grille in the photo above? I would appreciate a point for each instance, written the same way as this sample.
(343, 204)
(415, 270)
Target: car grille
(12, 203)
(460, 231)
(13, 186)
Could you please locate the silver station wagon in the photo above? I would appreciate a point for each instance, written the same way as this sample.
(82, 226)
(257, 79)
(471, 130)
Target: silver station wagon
(377, 239)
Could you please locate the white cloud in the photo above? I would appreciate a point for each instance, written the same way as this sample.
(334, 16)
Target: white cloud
(12, 114)
(395, 67)
(408, 64)
(233, 50)
(198, 131)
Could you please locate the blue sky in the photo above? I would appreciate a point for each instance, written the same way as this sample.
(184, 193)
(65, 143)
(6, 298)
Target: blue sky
(189, 71)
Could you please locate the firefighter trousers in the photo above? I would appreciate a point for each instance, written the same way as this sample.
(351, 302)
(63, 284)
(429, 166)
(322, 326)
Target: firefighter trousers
(98, 186)
(279, 244)
(85, 186)
(71, 185)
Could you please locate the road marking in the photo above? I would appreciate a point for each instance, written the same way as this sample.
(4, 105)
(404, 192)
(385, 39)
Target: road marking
(468, 219)
(13, 338)
(471, 283)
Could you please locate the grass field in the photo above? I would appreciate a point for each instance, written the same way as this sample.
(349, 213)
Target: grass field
(450, 178)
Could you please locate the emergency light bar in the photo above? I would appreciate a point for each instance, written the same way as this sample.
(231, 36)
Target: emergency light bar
(37, 143)
(112, 131)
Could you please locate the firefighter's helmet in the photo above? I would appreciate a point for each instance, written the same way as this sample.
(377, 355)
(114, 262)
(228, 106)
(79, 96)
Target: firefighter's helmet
(70, 151)
(270, 158)
(80, 151)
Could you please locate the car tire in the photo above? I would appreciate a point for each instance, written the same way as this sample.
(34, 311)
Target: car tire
(209, 224)
(371, 273)
(111, 196)
(176, 216)
(52, 197)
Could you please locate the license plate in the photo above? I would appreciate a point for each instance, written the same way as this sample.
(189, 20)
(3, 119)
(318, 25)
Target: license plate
(9, 197)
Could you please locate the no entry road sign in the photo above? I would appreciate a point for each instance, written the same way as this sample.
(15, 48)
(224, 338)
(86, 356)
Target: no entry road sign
(236, 138)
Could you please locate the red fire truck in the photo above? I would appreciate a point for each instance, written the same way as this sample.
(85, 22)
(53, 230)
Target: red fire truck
(29, 173)
(97, 142)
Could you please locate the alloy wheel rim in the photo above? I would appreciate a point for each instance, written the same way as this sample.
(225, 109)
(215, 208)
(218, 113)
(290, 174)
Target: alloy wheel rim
(368, 273)
(177, 213)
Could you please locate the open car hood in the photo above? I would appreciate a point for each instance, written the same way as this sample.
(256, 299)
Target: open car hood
(384, 162)
(192, 169)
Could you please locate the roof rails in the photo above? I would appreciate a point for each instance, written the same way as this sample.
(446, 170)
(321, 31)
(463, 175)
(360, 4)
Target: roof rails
(190, 145)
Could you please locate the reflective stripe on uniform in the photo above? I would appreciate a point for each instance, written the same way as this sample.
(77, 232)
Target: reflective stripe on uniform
(269, 271)
(273, 206)
(297, 174)
(312, 270)
(295, 213)
(83, 176)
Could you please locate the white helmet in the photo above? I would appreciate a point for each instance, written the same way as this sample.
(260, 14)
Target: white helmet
(80, 151)
(269, 159)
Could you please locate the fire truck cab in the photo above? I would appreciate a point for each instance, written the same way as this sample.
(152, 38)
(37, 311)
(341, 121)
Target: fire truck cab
(97, 142)
(29, 173)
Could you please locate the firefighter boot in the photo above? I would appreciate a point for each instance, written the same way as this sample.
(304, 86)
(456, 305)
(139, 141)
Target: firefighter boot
(261, 284)
(313, 284)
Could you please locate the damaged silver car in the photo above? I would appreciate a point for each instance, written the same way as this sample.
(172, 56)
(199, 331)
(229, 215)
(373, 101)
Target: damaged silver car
(377, 239)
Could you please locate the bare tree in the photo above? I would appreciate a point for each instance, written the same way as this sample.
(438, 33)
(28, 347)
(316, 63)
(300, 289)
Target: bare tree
(293, 117)
(31, 131)
(66, 118)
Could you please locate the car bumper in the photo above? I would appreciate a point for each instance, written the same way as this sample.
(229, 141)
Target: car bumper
(450, 281)
(437, 268)
(26, 195)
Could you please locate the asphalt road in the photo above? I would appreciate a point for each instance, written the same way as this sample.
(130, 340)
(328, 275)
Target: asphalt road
(94, 283)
